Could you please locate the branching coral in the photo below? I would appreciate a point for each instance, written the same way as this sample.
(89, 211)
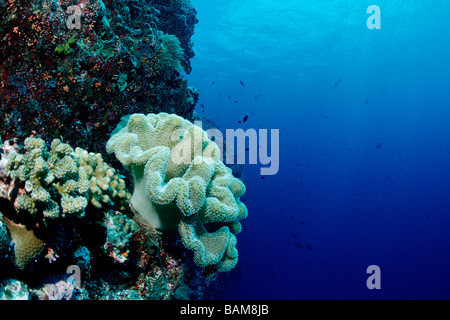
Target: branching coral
(42, 187)
(63, 180)
(180, 182)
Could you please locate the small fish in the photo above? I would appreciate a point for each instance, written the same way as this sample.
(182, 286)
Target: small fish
(213, 82)
(245, 118)
(274, 274)
(308, 246)
(239, 121)
(236, 101)
(247, 149)
(337, 83)
(294, 235)
(378, 146)
(262, 177)
(367, 101)
(202, 105)
(298, 245)
(242, 83)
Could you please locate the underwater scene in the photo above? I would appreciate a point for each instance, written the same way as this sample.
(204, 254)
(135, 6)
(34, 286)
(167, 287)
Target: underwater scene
(224, 150)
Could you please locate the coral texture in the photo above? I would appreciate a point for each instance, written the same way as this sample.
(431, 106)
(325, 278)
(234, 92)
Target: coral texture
(26, 245)
(43, 188)
(62, 180)
(180, 182)
(120, 230)
(57, 79)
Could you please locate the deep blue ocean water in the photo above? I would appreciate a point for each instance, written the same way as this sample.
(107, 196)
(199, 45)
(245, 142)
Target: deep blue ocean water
(364, 158)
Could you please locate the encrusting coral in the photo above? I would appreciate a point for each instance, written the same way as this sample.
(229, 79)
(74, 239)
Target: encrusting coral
(181, 183)
(26, 245)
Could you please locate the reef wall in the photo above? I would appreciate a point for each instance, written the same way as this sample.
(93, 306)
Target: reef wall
(74, 84)
(69, 229)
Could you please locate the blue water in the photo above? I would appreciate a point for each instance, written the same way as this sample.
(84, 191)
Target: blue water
(364, 122)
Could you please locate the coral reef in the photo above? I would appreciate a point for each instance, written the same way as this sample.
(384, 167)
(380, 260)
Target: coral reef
(119, 254)
(126, 57)
(69, 227)
(62, 180)
(180, 182)
(41, 185)
(61, 290)
(171, 55)
(120, 230)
